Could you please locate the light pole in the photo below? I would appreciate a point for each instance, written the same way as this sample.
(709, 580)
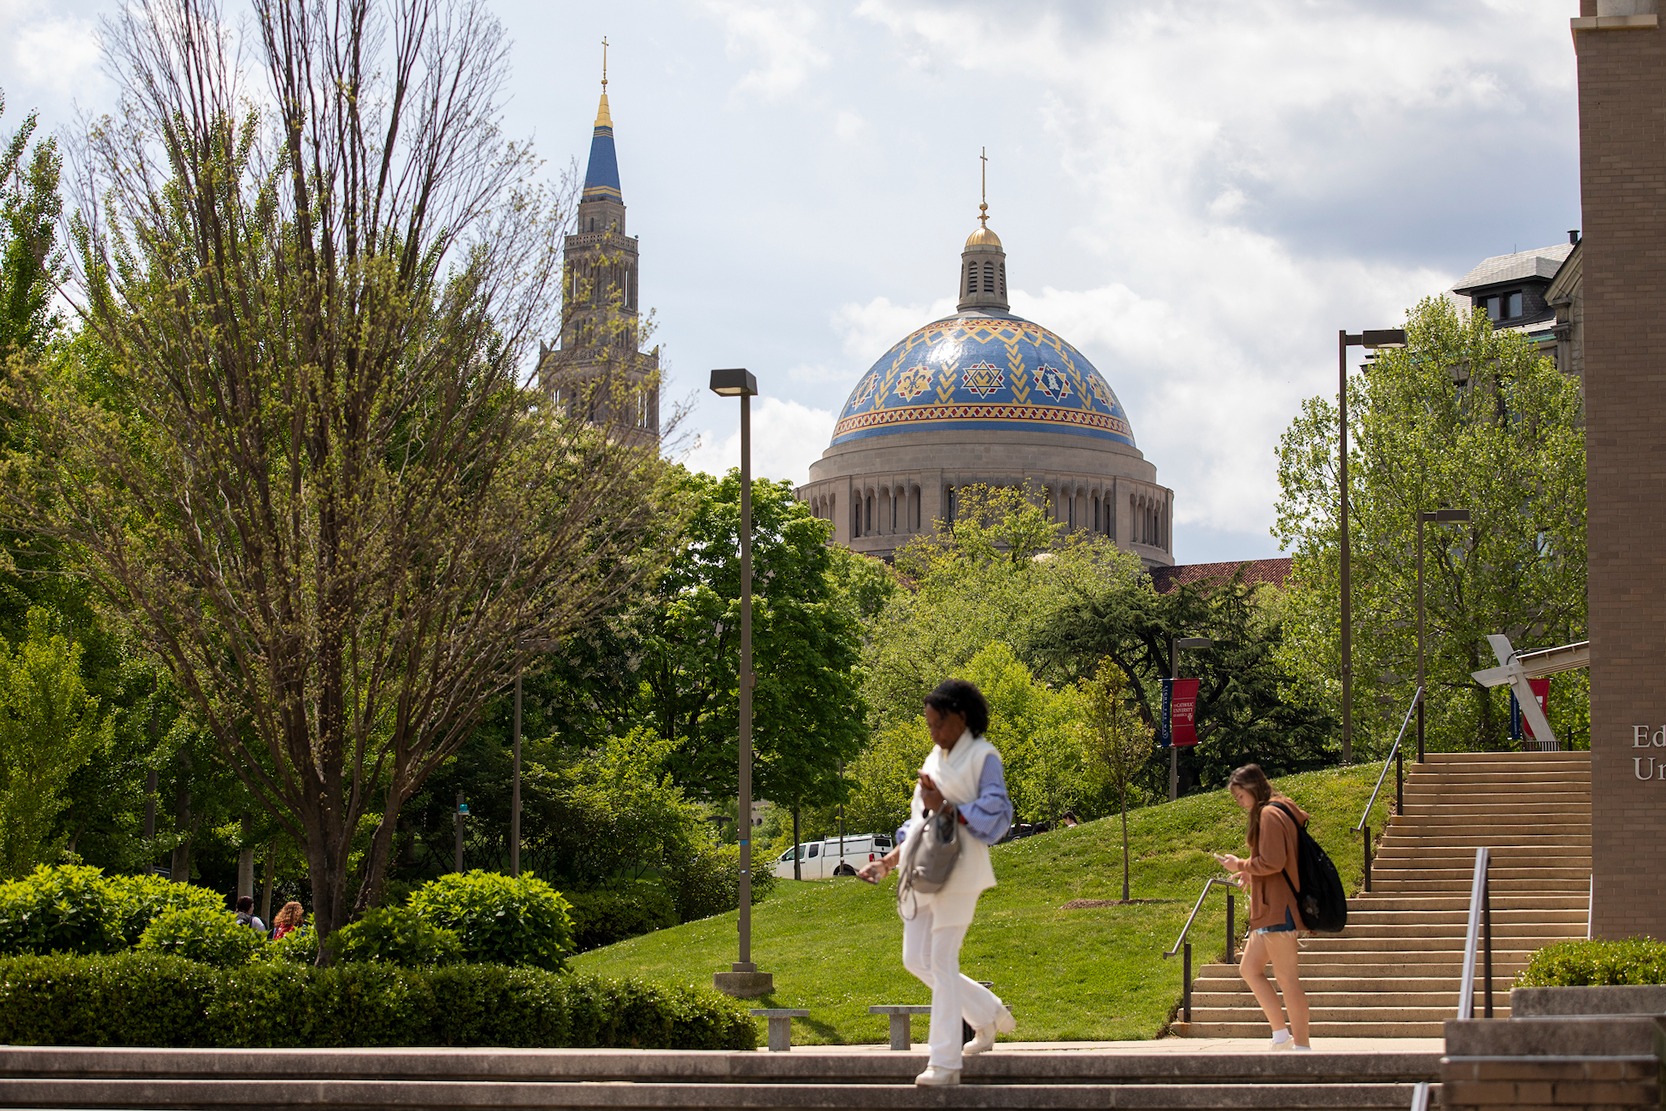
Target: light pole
(515, 789)
(744, 979)
(1175, 646)
(1432, 516)
(1371, 339)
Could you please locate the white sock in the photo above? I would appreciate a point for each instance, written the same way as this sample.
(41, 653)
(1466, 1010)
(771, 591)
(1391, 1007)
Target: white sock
(1281, 1036)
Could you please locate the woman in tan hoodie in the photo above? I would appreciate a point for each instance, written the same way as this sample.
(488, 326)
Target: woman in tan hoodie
(1269, 872)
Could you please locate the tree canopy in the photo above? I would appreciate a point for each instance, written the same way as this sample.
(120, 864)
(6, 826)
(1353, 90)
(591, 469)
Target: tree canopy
(1466, 416)
(304, 469)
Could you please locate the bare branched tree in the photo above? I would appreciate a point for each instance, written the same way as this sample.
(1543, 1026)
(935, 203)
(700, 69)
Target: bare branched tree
(299, 456)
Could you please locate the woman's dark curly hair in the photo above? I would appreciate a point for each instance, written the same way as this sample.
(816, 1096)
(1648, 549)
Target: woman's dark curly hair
(957, 696)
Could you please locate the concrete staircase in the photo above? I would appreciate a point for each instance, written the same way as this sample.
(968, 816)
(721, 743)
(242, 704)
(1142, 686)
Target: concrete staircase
(1395, 971)
(828, 1079)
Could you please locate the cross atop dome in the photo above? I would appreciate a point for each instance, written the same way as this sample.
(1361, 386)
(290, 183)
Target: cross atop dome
(983, 262)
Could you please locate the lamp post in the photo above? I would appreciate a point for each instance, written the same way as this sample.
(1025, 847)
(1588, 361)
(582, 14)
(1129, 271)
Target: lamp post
(1176, 644)
(744, 979)
(1431, 516)
(515, 789)
(1371, 339)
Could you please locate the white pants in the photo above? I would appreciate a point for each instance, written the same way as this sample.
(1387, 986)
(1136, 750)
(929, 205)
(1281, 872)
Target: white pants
(932, 953)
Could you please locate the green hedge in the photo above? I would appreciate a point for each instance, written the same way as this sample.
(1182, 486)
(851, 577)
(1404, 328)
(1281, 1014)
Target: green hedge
(395, 935)
(1638, 960)
(610, 914)
(148, 999)
(211, 936)
(499, 919)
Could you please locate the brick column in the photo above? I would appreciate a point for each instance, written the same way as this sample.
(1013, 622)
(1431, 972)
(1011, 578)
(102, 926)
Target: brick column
(1622, 136)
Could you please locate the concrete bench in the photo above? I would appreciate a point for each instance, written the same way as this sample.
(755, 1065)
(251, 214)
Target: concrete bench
(781, 1025)
(901, 1035)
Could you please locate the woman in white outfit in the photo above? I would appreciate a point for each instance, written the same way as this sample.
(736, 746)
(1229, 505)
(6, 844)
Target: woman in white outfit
(963, 771)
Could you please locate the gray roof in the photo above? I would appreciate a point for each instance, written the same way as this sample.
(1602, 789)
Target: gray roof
(1541, 262)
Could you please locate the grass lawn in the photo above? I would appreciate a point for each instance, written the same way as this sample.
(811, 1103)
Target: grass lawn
(834, 946)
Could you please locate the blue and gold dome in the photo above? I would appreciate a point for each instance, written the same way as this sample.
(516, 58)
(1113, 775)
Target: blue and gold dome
(983, 370)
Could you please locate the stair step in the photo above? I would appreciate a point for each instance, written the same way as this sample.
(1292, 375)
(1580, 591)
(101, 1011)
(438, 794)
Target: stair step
(1381, 902)
(1320, 1028)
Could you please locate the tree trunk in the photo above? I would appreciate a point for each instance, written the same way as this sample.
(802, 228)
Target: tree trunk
(1125, 846)
(798, 872)
(266, 884)
(246, 860)
(179, 867)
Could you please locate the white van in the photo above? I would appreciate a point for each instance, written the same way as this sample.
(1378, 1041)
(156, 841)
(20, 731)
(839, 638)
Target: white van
(833, 856)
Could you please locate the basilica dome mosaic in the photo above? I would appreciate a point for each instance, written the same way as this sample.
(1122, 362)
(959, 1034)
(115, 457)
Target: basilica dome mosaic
(985, 398)
(983, 371)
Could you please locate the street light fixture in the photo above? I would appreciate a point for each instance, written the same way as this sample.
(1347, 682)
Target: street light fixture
(1435, 517)
(1373, 339)
(1176, 644)
(743, 979)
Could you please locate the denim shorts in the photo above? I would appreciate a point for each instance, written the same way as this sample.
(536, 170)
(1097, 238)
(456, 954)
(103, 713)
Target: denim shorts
(1287, 926)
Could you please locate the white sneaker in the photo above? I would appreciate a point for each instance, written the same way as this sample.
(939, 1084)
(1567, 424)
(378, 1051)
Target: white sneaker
(1308, 1048)
(1282, 1040)
(935, 1077)
(983, 1037)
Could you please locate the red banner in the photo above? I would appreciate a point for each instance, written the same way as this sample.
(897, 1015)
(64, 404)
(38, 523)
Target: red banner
(1182, 712)
(1541, 695)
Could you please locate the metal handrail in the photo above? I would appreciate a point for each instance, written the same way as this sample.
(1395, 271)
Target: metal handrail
(1480, 921)
(1208, 886)
(1392, 753)
(1420, 1096)
(1182, 945)
(1398, 761)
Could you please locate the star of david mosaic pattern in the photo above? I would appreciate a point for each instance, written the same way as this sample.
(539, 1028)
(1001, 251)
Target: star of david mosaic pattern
(1050, 382)
(978, 371)
(982, 379)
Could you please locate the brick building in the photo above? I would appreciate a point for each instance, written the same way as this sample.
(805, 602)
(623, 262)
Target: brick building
(1621, 51)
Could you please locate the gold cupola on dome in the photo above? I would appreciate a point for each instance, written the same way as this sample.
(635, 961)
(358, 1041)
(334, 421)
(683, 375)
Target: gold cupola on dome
(983, 262)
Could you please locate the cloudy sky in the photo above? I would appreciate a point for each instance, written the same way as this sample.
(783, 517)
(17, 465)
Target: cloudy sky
(1197, 195)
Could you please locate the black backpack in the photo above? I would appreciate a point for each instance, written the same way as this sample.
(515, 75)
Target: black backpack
(1320, 898)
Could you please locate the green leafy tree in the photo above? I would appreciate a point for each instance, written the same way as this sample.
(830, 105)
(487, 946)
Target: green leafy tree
(30, 262)
(807, 713)
(1118, 738)
(1000, 575)
(1251, 706)
(305, 471)
(1465, 416)
(1039, 733)
(49, 727)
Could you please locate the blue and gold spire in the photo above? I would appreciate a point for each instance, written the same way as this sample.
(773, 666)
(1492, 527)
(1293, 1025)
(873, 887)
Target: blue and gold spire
(601, 176)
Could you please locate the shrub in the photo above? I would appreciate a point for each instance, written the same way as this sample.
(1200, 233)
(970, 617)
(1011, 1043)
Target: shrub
(614, 913)
(706, 881)
(157, 1000)
(395, 935)
(500, 919)
(137, 900)
(295, 947)
(64, 909)
(1637, 960)
(213, 937)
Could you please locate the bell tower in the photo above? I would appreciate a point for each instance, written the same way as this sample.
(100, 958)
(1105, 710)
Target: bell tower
(597, 372)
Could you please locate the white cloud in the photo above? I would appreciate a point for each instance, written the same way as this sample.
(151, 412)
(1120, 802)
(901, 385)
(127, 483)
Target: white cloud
(786, 438)
(1202, 140)
(782, 38)
(868, 330)
(53, 51)
(849, 126)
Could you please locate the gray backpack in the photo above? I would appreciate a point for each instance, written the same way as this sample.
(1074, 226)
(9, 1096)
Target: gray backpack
(928, 857)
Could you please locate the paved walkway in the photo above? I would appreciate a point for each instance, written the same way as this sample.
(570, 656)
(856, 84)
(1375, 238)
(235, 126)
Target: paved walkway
(1174, 1046)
